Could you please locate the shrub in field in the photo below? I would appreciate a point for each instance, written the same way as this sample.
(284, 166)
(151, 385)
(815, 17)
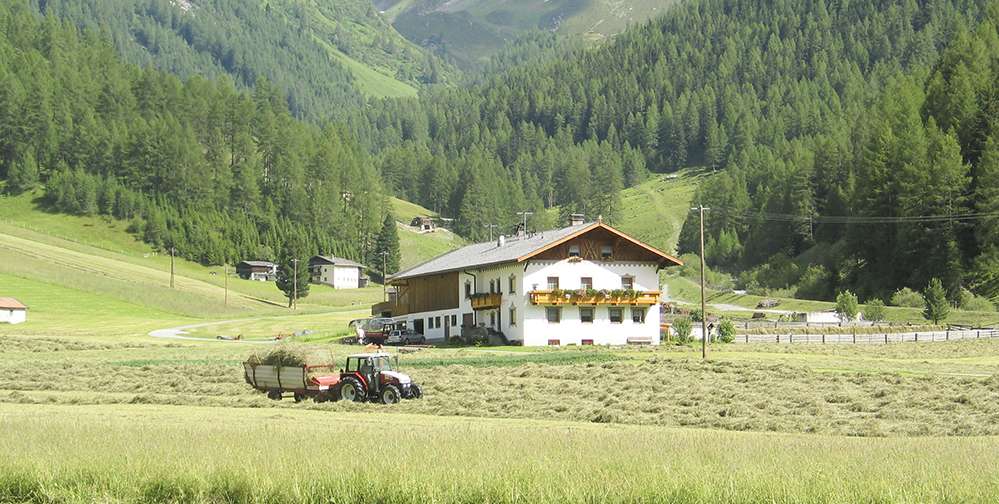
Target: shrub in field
(846, 305)
(907, 298)
(935, 297)
(682, 326)
(874, 311)
(971, 302)
(726, 331)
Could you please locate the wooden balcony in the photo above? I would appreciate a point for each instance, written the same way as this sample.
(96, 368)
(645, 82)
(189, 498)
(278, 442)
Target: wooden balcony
(639, 298)
(486, 301)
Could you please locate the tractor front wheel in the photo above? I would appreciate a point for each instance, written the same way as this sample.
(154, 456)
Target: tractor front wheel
(391, 394)
(351, 390)
(415, 392)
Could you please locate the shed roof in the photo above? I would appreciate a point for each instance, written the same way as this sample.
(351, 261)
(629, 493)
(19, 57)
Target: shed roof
(336, 261)
(262, 264)
(515, 249)
(9, 303)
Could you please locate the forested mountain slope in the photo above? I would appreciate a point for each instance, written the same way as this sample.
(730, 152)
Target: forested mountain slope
(323, 55)
(215, 172)
(469, 31)
(783, 98)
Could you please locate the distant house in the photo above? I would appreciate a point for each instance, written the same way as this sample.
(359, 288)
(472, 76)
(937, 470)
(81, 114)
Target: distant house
(12, 311)
(423, 224)
(337, 272)
(262, 271)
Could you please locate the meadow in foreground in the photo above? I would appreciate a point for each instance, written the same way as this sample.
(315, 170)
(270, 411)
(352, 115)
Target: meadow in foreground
(145, 453)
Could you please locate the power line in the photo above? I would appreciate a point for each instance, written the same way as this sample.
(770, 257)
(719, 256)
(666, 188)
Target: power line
(856, 219)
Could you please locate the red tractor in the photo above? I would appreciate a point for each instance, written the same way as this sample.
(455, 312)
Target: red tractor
(373, 377)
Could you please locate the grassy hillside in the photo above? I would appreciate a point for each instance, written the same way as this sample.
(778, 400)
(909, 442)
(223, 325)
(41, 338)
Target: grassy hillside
(72, 271)
(472, 30)
(655, 210)
(420, 247)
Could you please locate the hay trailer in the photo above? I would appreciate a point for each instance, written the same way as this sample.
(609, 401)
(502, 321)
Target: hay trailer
(318, 382)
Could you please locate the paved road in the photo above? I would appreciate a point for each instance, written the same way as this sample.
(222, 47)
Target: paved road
(179, 332)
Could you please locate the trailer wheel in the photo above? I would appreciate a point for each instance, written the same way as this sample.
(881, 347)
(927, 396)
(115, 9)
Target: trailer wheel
(351, 390)
(391, 394)
(299, 397)
(274, 394)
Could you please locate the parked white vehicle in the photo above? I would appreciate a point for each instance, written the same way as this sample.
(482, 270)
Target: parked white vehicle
(404, 337)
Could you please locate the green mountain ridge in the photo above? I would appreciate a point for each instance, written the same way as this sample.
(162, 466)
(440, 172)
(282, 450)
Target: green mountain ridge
(470, 31)
(322, 55)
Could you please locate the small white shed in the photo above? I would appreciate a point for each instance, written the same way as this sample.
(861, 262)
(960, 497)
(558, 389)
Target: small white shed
(12, 311)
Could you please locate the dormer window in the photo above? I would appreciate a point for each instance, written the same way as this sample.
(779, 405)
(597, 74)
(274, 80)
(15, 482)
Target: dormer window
(573, 250)
(606, 252)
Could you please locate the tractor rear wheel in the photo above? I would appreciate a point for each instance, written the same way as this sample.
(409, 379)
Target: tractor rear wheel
(351, 390)
(391, 394)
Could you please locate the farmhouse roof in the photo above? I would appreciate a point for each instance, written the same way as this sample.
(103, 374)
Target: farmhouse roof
(336, 261)
(263, 264)
(514, 249)
(9, 303)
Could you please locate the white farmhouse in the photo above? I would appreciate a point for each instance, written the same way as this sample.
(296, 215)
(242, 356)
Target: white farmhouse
(337, 272)
(586, 284)
(12, 311)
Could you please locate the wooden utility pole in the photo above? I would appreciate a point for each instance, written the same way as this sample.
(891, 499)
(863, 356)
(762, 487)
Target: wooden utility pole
(172, 252)
(384, 275)
(225, 281)
(704, 314)
(294, 288)
(491, 228)
(525, 214)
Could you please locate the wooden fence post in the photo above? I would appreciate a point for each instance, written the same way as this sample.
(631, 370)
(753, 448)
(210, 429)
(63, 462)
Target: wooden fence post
(917, 337)
(747, 337)
(886, 338)
(823, 338)
(947, 335)
(778, 337)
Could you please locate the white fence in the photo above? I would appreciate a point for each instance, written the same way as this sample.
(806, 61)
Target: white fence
(872, 339)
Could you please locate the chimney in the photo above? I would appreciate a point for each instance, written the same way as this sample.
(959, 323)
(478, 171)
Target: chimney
(576, 219)
(501, 241)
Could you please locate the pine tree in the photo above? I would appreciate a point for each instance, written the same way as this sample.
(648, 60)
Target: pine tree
(22, 175)
(937, 306)
(386, 253)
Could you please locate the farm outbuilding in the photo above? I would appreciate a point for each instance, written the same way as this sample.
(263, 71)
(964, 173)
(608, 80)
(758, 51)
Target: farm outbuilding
(262, 271)
(12, 311)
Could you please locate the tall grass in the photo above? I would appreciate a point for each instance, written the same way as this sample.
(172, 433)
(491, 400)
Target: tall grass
(146, 454)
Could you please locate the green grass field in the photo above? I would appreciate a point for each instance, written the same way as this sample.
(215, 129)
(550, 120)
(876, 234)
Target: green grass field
(144, 453)
(656, 209)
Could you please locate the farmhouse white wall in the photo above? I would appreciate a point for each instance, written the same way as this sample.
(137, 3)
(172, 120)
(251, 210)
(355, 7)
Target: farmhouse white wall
(346, 277)
(13, 316)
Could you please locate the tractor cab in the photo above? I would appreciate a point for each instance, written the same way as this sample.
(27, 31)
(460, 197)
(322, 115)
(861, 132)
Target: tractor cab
(373, 376)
